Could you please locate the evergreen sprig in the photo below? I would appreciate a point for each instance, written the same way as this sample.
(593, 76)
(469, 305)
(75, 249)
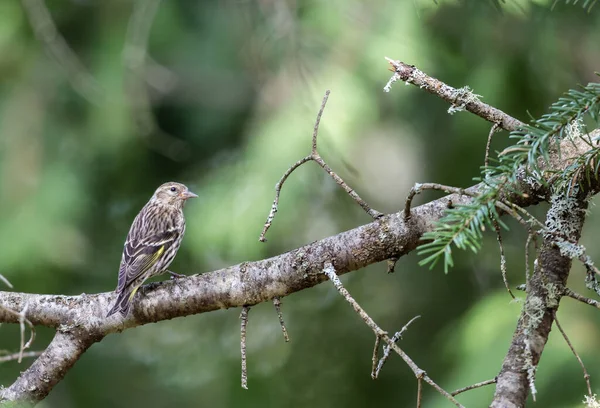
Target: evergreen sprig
(587, 4)
(462, 226)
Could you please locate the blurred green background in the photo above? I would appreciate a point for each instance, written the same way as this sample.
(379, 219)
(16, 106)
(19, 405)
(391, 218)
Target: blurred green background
(233, 87)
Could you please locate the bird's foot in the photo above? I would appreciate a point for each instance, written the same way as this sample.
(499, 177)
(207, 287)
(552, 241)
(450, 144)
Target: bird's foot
(143, 290)
(175, 275)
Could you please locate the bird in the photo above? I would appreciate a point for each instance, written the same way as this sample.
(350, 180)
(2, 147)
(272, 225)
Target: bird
(152, 243)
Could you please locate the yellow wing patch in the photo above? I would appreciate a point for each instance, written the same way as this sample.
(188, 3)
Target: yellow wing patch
(151, 260)
(146, 263)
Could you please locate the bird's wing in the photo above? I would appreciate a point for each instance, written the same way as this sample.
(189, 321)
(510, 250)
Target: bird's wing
(141, 253)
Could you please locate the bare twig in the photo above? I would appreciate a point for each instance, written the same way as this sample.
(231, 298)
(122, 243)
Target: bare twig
(419, 391)
(493, 130)
(6, 281)
(47, 33)
(462, 98)
(19, 355)
(22, 331)
(317, 123)
(274, 207)
(363, 204)
(531, 220)
(507, 207)
(502, 256)
(586, 376)
(329, 270)
(473, 386)
(512, 209)
(375, 356)
(277, 304)
(244, 319)
(568, 292)
(316, 157)
(22, 322)
(386, 350)
(419, 187)
(591, 268)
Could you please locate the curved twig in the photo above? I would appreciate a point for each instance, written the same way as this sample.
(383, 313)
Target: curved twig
(316, 157)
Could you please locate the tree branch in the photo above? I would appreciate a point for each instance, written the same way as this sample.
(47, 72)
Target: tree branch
(420, 374)
(545, 289)
(245, 284)
(49, 368)
(473, 386)
(19, 355)
(586, 375)
(243, 330)
(581, 298)
(316, 157)
(460, 99)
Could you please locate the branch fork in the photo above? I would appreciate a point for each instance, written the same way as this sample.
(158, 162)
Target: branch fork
(316, 157)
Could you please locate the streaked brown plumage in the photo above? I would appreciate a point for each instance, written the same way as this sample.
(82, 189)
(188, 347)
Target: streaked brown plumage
(152, 242)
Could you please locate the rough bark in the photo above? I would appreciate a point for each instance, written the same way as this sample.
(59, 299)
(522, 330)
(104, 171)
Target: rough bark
(544, 290)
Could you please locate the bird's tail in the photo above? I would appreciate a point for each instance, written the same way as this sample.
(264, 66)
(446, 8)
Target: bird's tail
(123, 302)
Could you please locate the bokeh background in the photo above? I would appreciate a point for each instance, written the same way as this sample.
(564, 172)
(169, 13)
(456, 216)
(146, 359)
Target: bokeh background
(225, 102)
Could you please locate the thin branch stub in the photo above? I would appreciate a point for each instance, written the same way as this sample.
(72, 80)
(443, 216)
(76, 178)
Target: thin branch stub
(277, 304)
(244, 325)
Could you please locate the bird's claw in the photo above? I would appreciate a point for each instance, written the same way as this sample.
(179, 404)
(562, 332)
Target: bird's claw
(176, 275)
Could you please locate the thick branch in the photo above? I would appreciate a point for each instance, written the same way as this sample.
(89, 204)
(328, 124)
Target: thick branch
(49, 368)
(544, 291)
(248, 283)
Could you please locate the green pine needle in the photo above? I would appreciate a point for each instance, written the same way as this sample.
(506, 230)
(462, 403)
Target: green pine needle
(463, 226)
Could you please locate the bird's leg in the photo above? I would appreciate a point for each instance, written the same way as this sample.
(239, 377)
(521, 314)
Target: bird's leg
(175, 275)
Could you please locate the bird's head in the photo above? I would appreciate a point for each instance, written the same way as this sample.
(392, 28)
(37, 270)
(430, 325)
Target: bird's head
(173, 194)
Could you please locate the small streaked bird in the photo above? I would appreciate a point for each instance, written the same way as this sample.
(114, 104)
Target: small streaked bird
(152, 242)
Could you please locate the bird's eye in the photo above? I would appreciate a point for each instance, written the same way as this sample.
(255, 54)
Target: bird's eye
(173, 189)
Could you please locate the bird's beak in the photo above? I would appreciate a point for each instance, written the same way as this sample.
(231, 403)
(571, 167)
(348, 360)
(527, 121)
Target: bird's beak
(188, 194)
